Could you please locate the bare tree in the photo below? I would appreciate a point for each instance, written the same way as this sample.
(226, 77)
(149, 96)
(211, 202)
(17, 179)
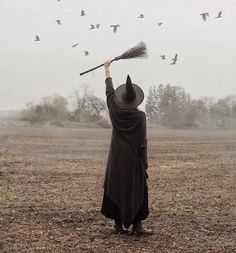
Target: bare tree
(87, 107)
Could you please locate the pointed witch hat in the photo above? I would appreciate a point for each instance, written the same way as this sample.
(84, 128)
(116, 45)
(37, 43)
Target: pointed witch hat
(128, 95)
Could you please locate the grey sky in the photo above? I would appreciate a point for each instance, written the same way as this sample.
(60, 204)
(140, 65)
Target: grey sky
(30, 70)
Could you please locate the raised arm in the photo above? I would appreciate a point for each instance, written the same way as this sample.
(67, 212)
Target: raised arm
(107, 68)
(109, 85)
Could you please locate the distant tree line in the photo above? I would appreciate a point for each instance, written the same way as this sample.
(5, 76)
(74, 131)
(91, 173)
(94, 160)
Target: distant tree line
(171, 106)
(87, 108)
(50, 108)
(166, 105)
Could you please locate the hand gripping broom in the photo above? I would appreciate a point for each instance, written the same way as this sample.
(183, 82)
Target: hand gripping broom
(139, 51)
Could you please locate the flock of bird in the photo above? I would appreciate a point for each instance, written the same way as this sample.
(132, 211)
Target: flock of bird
(206, 14)
(115, 28)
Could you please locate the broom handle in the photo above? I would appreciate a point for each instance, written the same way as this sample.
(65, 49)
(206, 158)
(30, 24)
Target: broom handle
(85, 72)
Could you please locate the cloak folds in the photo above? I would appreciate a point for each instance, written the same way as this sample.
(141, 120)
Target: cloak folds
(125, 177)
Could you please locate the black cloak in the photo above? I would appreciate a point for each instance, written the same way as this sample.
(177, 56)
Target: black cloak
(125, 176)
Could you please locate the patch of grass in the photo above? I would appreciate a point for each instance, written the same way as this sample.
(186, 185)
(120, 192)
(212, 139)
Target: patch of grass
(187, 209)
(172, 210)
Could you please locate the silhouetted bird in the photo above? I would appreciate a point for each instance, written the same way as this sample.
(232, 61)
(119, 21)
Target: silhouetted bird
(75, 45)
(204, 15)
(115, 28)
(82, 13)
(163, 57)
(92, 27)
(97, 26)
(58, 22)
(160, 23)
(141, 16)
(86, 53)
(174, 59)
(219, 15)
(37, 38)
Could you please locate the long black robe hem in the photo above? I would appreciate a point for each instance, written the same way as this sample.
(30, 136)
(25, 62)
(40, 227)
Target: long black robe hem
(111, 211)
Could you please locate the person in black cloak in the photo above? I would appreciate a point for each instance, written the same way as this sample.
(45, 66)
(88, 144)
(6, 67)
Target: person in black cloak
(125, 196)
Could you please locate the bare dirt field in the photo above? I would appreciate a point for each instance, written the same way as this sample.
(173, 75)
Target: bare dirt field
(51, 191)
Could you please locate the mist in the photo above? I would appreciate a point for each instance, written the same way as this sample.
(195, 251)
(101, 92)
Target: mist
(30, 70)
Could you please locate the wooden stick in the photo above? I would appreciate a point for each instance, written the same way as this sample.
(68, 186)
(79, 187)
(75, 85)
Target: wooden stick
(99, 66)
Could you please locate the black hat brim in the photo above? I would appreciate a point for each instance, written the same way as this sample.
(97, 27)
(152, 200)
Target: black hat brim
(120, 102)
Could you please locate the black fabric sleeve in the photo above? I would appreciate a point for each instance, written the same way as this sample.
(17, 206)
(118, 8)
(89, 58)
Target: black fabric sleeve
(109, 92)
(143, 146)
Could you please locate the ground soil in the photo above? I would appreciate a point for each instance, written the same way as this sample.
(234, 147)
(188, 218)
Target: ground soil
(51, 191)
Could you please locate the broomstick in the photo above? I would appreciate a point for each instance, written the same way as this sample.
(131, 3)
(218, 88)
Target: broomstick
(139, 51)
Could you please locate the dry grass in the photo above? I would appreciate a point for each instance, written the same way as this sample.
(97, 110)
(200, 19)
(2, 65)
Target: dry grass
(51, 191)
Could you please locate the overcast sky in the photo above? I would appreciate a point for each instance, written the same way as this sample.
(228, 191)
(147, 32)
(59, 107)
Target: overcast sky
(29, 70)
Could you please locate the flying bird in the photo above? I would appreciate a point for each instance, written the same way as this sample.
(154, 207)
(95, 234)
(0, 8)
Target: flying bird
(204, 15)
(141, 16)
(58, 21)
(92, 27)
(219, 15)
(82, 13)
(163, 57)
(174, 59)
(86, 53)
(160, 23)
(75, 45)
(115, 28)
(37, 38)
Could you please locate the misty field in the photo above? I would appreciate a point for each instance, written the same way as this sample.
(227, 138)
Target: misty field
(51, 190)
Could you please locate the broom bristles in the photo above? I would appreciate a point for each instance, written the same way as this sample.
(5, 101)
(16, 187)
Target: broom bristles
(139, 51)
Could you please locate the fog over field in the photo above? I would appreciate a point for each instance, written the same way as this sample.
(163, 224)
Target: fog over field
(59, 140)
(32, 69)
